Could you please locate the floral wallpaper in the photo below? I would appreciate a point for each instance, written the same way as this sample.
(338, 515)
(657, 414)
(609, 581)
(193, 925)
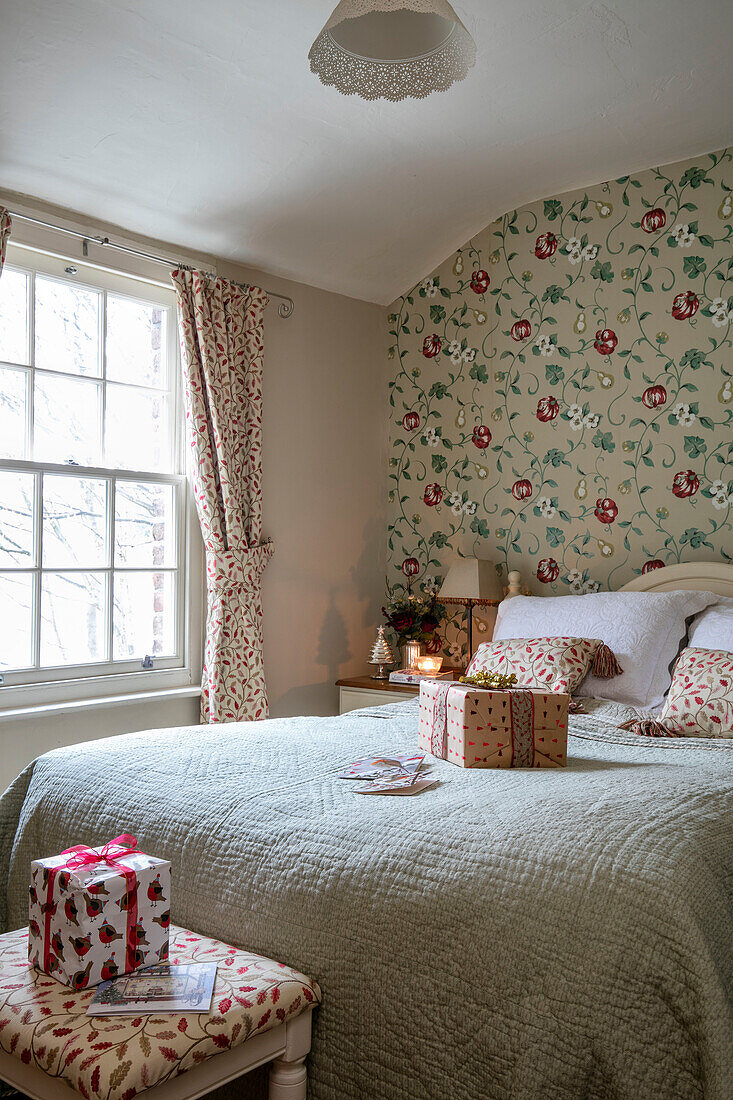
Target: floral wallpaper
(562, 392)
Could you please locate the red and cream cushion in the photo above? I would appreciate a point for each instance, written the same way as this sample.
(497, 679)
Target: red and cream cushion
(700, 700)
(44, 1023)
(556, 664)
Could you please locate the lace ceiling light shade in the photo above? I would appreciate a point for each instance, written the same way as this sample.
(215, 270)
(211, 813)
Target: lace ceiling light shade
(392, 49)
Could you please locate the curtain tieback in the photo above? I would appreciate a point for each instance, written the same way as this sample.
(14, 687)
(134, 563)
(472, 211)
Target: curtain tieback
(237, 568)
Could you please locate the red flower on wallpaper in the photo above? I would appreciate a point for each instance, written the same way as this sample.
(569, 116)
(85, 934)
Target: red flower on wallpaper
(547, 408)
(480, 281)
(548, 570)
(653, 220)
(651, 565)
(654, 396)
(545, 246)
(605, 341)
(685, 483)
(685, 305)
(521, 330)
(522, 489)
(605, 510)
(481, 437)
(434, 644)
(433, 494)
(431, 346)
(411, 567)
(411, 421)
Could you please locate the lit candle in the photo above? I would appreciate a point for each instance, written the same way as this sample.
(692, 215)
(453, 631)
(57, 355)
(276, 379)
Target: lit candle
(429, 664)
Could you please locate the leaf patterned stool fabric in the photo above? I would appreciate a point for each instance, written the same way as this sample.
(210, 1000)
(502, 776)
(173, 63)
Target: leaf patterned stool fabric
(45, 1025)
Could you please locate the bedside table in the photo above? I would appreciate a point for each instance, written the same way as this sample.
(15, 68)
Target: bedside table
(362, 691)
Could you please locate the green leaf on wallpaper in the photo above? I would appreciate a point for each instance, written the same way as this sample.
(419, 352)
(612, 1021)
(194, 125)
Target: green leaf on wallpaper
(602, 271)
(555, 457)
(655, 426)
(706, 240)
(707, 422)
(694, 538)
(437, 314)
(644, 489)
(563, 351)
(554, 373)
(694, 358)
(512, 229)
(646, 460)
(635, 248)
(554, 294)
(444, 292)
(554, 536)
(643, 316)
(553, 209)
(479, 373)
(439, 463)
(693, 177)
(695, 446)
(565, 516)
(438, 538)
(438, 389)
(480, 527)
(625, 199)
(694, 266)
(605, 441)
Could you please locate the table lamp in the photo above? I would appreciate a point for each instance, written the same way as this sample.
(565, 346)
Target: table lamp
(471, 581)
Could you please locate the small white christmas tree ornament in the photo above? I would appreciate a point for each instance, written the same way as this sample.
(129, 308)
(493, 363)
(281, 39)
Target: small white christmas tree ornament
(381, 655)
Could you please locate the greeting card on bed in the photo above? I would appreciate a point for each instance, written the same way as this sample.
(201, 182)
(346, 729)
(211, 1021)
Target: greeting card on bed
(477, 728)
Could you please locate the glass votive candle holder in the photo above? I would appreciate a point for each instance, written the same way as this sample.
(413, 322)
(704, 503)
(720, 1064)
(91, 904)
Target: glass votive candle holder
(429, 664)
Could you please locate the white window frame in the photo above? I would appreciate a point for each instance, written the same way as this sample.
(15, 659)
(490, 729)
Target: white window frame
(42, 686)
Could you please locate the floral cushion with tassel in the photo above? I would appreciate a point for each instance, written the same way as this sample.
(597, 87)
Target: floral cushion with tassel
(555, 664)
(700, 699)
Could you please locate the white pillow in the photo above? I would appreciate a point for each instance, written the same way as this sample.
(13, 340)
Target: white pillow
(713, 629)
(644, 630)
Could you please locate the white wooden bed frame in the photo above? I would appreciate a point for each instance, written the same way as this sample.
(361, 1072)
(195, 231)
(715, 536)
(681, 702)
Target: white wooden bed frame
(707, 576)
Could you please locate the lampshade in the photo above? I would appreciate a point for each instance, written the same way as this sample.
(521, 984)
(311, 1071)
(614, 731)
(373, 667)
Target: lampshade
(471, 579)
(392, 49)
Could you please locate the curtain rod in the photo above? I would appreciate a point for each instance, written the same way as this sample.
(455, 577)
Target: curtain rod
(285, 309)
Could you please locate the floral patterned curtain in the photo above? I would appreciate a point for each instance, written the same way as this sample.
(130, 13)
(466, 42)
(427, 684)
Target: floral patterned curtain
(221, 338)
(5, 224)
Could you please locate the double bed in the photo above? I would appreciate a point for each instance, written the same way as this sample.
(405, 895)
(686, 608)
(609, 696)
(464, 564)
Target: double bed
(551, 933)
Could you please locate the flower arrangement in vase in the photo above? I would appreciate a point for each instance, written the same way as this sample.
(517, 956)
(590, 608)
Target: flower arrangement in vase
(415, 619)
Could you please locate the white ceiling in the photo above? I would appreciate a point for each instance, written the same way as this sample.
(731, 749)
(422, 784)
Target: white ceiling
(201, 124)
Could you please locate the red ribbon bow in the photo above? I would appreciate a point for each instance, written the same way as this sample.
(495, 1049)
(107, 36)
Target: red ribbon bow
(82, 856)
(87, 857)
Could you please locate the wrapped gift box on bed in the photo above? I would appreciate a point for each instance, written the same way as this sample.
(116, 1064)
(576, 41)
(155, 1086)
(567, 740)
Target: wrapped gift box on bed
(96, 913)
(479, 728)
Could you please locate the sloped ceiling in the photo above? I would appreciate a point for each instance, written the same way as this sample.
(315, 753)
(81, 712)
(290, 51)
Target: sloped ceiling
(201, 124)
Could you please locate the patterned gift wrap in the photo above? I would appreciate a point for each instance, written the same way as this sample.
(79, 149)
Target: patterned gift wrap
(96, 913)
(477, 728)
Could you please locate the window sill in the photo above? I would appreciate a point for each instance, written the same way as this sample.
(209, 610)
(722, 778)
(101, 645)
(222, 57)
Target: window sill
(49, 710)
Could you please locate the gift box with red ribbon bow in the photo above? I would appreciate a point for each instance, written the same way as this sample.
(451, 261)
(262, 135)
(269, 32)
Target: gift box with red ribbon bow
(481, 728)
(98, 912)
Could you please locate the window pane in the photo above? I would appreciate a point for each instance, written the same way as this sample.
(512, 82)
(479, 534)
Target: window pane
(136, 341)
(136, 430)
(144, 615)
(67, 327)
(74, 521)
(16, 520)
(73, 618)
(144, 524)
(16, 602)
(14, 316)
(67, 421)
(12, 412)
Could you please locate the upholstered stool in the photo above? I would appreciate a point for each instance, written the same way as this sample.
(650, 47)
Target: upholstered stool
(260, 1012)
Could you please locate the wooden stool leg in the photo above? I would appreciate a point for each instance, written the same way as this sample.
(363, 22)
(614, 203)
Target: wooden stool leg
(288, 1080)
